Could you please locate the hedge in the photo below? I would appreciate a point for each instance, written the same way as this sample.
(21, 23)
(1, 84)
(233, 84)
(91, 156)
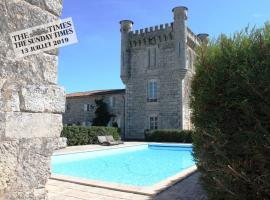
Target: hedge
(169, 135)
(230, 102)
(83, 135)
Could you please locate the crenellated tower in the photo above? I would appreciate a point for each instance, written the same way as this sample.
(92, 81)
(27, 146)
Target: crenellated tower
(126, 28)
(180, 35)
(156, 67)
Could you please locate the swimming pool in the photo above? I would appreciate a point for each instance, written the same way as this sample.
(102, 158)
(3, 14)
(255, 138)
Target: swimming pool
(141, 165)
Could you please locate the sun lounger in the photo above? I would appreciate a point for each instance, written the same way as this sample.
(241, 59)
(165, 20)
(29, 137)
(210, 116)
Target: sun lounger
(108, 140)
(103, 140)
(111, 140)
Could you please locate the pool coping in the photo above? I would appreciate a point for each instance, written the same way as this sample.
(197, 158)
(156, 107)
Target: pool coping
(100, 149)
(144, 190)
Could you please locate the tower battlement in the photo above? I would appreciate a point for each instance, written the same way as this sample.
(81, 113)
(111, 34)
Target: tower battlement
(158, 29)
(157, 34)
(151, 35)
(176, 31)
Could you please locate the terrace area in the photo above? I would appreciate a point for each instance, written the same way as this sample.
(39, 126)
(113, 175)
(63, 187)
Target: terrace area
(185, 189)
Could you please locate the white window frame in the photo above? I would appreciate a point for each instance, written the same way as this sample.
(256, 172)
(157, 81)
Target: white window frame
(153, 122)
(87, 107)
(152, 90)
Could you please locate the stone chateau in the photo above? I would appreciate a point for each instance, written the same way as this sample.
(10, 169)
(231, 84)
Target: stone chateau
(156, 68)
(80, 106)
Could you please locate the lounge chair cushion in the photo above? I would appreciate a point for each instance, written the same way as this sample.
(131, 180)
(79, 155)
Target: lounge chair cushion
(110, 138)
(102, 140)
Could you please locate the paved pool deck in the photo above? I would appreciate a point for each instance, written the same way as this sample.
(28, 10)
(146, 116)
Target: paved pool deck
(187, 189)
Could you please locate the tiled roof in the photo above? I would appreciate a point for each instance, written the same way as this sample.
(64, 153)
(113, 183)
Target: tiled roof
(96, 92)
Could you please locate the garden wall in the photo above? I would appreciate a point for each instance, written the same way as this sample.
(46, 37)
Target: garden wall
(31, 104)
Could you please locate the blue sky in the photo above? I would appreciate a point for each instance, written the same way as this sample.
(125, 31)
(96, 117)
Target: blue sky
(94, 62)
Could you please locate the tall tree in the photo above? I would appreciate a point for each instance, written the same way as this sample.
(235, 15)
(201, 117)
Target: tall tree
(230, 104)
(102, 115)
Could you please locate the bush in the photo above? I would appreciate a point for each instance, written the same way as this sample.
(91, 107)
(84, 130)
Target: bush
(102, 115)
(170, 135)
(231, 114)
(82, 135)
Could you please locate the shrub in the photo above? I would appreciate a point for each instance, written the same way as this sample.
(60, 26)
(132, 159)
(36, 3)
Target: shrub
(230, 102)
(82, 135)
(102, 115)
(170, 135)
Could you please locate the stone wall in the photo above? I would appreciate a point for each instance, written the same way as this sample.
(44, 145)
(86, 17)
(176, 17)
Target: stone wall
(167, 107)
(31, 104)
(78, 115)
(186, 87)
(169, 66)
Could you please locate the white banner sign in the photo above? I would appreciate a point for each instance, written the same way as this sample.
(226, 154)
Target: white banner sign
(44, 37)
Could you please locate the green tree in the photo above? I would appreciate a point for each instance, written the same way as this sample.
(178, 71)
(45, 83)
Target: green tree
(102, 115)
(230, 102)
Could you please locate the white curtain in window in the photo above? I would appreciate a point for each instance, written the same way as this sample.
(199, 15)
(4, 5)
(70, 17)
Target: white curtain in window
(152, 89)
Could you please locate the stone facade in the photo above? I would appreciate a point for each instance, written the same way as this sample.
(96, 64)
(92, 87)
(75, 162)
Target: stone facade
(156, 67)
(80, 107)
(31, 104)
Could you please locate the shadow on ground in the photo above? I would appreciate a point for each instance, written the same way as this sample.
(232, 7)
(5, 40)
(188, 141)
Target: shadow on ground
(188, 189)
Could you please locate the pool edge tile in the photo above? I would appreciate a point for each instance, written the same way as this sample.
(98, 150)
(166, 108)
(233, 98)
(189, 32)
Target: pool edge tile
(149, 190)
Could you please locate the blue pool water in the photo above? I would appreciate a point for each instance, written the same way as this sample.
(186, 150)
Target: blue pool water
(142, 165)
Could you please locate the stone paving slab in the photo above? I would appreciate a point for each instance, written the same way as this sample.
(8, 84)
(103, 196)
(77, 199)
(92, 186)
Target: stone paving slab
(65, 191)
(188, 189)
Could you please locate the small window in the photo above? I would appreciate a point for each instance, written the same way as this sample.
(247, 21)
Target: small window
(152, 91)
(153, 122)
(112, 102)
(148, 57)
(87, 107)
(151, 57)
(68, 107)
